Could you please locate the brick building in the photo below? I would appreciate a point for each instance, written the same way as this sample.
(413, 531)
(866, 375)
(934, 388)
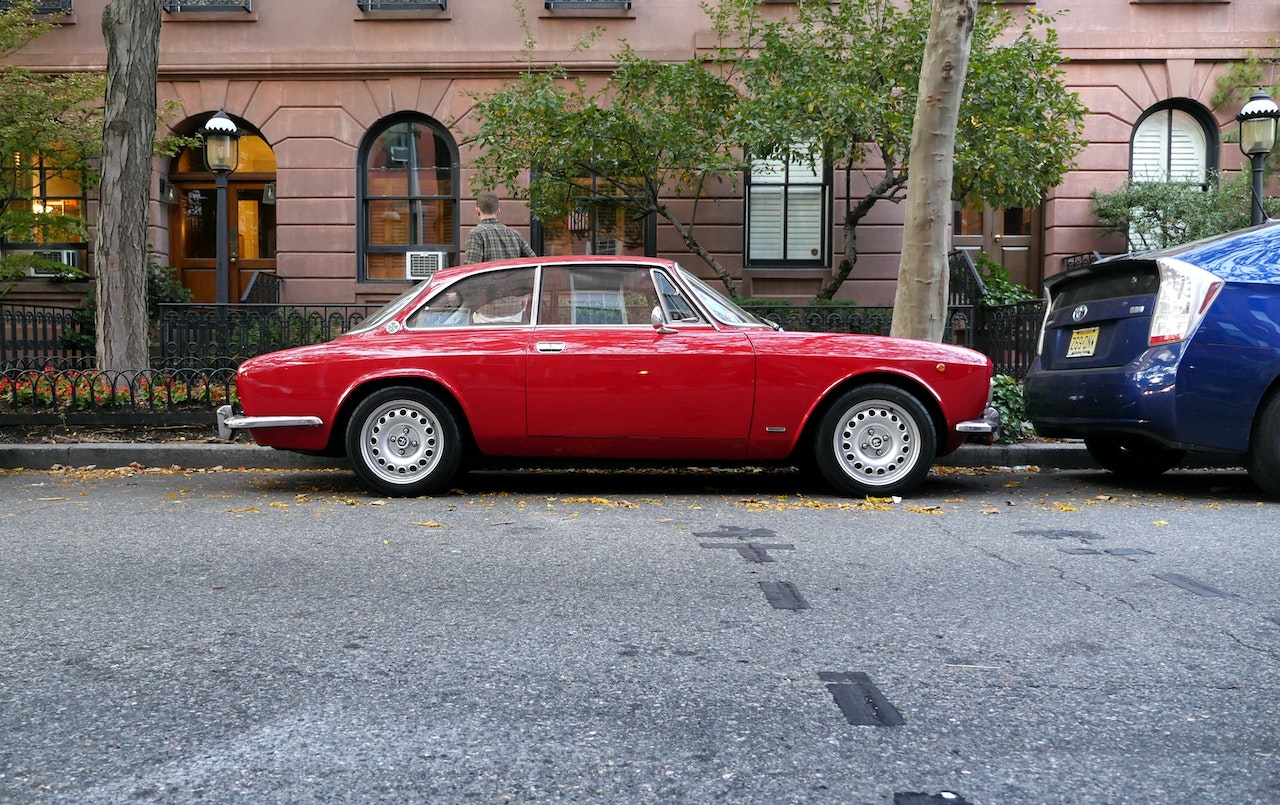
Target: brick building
(353, 111)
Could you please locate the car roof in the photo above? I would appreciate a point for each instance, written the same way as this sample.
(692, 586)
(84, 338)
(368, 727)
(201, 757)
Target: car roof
(448, 274)
(1245, 255)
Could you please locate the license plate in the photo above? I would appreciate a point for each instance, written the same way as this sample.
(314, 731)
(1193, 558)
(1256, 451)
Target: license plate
(1083, 343)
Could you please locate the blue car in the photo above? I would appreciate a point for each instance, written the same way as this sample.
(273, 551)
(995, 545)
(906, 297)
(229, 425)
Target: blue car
(1146, 356)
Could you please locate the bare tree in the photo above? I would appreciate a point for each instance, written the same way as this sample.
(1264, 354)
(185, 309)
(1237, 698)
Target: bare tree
(132, 32)
(920, 302)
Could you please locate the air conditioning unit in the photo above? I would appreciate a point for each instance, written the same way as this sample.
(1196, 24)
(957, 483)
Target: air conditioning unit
(424, 265)
(67, 257)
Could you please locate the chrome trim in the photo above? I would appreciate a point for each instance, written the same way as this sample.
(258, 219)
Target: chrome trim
(988, 425)
(228, 422)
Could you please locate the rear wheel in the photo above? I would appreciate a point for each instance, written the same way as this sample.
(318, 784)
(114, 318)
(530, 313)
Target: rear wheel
(1132, 456)
(875, 440)
(1263, 461)
(404, 441)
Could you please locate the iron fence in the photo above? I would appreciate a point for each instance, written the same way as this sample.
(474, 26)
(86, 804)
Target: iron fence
(53, 394)
(229, 334)
(29, 332)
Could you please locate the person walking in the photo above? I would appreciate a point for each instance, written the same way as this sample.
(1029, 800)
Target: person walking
(491, 239)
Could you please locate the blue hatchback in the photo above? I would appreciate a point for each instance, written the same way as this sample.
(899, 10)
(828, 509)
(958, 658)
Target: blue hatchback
(1146, 356)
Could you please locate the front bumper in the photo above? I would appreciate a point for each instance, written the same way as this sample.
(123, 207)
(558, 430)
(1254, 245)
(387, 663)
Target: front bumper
(229, 422)
(984, 430)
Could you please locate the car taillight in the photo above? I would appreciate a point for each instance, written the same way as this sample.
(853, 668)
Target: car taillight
(1184, 297)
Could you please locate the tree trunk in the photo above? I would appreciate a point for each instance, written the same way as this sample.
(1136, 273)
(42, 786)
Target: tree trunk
(920, 303)
(131, 29)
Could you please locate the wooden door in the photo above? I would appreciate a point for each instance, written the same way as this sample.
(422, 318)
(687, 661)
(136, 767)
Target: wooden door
(251, 236)
(1010, 237)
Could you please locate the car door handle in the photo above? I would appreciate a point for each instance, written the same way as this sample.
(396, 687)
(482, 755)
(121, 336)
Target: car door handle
(550, 346)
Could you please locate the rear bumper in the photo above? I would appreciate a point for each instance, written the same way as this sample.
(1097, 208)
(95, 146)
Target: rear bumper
(229, 422)
(1133, 399)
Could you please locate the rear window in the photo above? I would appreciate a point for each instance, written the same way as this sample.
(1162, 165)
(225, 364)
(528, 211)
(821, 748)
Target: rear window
(1134, 279)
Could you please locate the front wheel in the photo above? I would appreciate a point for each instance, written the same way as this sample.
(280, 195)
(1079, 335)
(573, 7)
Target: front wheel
(404, 441)
(1132, 456)
(875, 440)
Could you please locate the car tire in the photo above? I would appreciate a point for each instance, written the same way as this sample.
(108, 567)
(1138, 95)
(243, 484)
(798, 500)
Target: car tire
(1132, 456)
(1263, 459)
(404, 441)
(875, 440)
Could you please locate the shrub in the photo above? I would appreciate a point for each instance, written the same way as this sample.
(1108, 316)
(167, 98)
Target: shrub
(1006, 397)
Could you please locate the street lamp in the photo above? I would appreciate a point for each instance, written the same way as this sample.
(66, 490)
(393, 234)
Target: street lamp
(221, 155)
(1257, 122)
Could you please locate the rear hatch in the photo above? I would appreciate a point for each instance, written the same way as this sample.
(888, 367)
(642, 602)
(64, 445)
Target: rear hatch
(1101, 316)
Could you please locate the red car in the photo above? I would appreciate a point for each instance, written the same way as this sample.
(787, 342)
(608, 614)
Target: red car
(608, 358)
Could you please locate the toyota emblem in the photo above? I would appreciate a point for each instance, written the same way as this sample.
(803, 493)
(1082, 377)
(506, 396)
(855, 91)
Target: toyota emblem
(1079, 313)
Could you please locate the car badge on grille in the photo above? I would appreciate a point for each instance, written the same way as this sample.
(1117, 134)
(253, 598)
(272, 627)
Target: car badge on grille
(1079, 313)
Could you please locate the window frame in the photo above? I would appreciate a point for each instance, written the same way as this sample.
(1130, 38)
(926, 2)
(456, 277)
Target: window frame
(824, 183)
(363, 198)
(1207, 129)
(36, 169)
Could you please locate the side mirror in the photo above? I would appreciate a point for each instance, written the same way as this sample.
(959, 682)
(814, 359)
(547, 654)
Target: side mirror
(659, 321)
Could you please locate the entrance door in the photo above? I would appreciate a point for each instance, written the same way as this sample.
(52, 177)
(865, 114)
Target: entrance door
(1010, 236)
(251, 237)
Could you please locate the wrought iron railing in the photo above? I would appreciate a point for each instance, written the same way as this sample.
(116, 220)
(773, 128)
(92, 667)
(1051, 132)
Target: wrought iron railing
(1009, 335)
(173, 6)
(29, 332)
(400, 5)
(43, 6)
(233, 333)
(1079, 260)
(264, 288)
(87, 395)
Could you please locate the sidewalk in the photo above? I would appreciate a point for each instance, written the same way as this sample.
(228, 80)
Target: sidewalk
(199, 455)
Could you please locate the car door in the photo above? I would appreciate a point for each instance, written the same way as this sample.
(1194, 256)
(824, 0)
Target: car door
(599, 369)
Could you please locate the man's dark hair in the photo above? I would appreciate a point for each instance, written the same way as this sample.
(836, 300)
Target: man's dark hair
(487, 201)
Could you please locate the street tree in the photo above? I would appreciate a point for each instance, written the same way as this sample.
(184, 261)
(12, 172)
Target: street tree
(920, 300)
(50, 125)
(652, 131)
(131, 29)
(839, 82)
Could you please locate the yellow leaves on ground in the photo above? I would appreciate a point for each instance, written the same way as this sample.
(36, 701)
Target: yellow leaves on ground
(595, 501)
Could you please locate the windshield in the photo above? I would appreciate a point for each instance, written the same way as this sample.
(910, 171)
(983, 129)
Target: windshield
(390, 309)
(716, 302)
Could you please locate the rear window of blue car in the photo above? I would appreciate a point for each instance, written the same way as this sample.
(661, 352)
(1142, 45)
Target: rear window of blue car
(1112, 282)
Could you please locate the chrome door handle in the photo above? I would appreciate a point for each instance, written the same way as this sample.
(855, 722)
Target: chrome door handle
(549, 347)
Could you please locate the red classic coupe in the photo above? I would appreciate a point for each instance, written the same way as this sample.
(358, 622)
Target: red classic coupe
(585, 358)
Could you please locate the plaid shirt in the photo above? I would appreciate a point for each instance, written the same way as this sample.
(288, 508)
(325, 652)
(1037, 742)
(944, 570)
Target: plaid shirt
(494, 240)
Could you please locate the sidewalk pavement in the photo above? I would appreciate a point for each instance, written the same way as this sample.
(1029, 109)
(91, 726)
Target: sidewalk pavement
(207, 455)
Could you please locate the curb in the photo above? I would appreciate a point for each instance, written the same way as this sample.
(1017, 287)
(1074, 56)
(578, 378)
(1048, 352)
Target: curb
(201, 455)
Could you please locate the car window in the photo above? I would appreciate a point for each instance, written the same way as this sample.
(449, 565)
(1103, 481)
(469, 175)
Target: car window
(596, 295)
(674, 304)
(493, 298)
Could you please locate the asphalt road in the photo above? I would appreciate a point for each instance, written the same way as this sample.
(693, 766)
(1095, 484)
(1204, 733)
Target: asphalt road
(284, 637)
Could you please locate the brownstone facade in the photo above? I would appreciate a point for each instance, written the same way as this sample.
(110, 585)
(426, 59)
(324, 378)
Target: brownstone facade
(354, 113)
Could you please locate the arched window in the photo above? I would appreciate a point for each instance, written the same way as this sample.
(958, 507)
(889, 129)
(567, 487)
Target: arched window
(1174, 141)
(408, 192)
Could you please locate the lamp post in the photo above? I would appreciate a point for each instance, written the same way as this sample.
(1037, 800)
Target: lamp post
(221, 155)
(1258, 121)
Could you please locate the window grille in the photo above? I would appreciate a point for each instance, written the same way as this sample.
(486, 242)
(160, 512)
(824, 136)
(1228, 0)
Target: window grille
(553, 5)
(43, 6)
(401, 5)
(173, 6)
